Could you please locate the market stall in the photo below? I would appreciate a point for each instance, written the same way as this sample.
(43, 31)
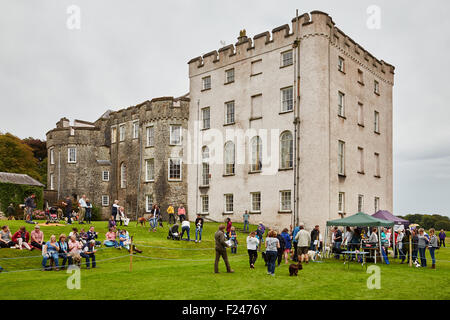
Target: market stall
(359, 219)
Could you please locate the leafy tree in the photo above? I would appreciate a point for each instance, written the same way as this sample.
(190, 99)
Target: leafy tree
(38, 146)
(17, 157)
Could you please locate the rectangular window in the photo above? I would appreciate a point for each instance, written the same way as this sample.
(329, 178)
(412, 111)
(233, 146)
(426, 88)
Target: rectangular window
(361, 160)
(377, 204)
(150, 136)
(174, 169)
(341, 202)
(377, 165)
(105, 175)
(52, 186)
(122, 132)
(286, 58)
(376, 122)
(285, 200)
(255, 201)
(52, 156)
(206, 83)
(341, 104)
(205, 174)
(205, 203)
(341, 64)
(229, 112)
(123, 176)
(361, 114)
(206, 118)
(72, 155)
(105, 201)
(256, 106)
(256, 67)
(150, 170)
(376, 87)
(360, 203)
(229, 203)
(287, 99)
(229, 76)
(113, 135)
(341, 158)
(360, 77)
(148, 202)
(175, 135)
(135, 129)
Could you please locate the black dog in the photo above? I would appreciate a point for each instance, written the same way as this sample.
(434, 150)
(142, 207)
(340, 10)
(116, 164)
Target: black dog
(293, 268)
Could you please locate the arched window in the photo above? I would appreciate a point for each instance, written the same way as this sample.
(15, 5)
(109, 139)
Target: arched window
(205, 166)
(256, 144)
(286, 150)
(229, 157)
(123, 175)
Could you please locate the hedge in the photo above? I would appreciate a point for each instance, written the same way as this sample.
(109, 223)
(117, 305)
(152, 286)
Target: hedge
(16, 193)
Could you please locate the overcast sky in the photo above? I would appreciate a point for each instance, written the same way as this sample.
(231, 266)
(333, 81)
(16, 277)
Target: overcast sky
(126, 52)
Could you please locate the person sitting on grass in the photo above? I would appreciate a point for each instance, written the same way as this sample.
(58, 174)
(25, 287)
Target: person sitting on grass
(186, 227)
(88, 252)
(50, 250)
(74, 249)
(64, 251)
(5, 238)
(21, 238)
(83, 236)
(37, 238)
(111, 239)
(111, 222)
(92, 235)
(125, 241)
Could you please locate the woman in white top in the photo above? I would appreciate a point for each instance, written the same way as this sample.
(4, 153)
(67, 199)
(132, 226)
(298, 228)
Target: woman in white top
(252, 248)
(272, 245)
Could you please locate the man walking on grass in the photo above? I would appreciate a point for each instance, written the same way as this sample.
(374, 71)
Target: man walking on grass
(221, 249)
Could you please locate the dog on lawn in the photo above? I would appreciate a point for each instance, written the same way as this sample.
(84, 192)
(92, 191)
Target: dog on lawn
(293, 268)
(142, 221)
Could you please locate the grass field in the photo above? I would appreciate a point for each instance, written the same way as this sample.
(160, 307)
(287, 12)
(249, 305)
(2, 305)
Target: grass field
(180, 271)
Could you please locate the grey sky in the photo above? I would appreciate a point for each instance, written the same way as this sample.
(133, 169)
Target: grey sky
(129, 51)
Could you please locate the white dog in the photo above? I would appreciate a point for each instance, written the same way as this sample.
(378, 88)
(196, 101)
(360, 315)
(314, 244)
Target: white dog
(311, 255)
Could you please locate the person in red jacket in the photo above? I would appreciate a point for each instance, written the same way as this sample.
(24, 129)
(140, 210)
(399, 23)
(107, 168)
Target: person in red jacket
(229, 224)
(21, 238)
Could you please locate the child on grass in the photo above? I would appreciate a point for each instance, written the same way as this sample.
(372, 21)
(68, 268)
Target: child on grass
(234, 241)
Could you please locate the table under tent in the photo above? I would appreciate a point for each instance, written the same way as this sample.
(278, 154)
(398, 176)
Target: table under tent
(359, 219)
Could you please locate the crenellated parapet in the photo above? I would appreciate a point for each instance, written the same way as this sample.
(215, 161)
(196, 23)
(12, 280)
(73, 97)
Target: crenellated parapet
(314, 24)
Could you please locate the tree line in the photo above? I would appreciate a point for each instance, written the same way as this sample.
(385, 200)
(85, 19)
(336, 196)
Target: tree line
(428, 221)
(25, 156)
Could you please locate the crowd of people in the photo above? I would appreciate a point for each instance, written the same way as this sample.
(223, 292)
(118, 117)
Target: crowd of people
(70, 249)
(295, 244)
(407, 244)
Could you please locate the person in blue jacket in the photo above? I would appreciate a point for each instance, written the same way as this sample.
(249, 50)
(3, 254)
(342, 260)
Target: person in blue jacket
(295, 242)
(287, 244)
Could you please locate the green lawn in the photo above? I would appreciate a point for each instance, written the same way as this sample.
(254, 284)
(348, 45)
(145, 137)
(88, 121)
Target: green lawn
(182, 272)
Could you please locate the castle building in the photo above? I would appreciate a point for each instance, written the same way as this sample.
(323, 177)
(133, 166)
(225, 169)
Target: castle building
(133, 155)
(293, 125)
(300, 123)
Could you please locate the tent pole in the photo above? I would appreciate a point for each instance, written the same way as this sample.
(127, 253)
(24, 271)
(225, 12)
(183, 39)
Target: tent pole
(379, 243)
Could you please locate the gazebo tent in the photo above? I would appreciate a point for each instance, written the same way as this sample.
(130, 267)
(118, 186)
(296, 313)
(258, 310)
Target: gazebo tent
(386, 215)
(359, 219)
